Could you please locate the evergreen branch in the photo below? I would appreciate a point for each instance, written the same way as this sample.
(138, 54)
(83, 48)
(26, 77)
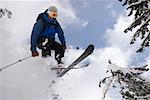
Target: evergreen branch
(137, 21)
(133, 87)
(143, 29)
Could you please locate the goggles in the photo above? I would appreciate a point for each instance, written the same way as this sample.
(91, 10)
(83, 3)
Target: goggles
(53, 14)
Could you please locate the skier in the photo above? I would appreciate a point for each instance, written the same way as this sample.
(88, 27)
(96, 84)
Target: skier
(43, 35)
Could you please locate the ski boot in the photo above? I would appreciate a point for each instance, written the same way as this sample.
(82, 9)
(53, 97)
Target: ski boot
(46, 53)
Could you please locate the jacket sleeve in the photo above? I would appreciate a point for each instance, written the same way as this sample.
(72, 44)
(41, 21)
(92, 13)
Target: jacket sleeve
(37, 29)
(60, 34)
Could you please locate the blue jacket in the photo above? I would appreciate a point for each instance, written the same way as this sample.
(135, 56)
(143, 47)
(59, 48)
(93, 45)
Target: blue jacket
(48, 31)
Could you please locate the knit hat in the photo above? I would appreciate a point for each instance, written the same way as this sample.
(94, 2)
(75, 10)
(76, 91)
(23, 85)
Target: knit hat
(52, 9)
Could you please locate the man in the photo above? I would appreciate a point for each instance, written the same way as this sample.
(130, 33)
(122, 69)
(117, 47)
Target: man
(43, 35)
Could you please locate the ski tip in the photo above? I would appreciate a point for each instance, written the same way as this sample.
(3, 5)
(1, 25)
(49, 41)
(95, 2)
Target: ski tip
(91, 46)
(59, 75)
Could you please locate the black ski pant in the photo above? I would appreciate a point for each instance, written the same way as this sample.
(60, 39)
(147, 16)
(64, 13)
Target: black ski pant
(48, 44)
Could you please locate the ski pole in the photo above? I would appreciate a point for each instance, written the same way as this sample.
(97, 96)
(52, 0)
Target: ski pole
(15, 62)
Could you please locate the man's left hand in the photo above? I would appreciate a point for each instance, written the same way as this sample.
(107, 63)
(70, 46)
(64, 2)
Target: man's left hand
(64, 47)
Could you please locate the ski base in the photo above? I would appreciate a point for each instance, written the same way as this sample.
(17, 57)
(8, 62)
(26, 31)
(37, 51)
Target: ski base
(84, 55)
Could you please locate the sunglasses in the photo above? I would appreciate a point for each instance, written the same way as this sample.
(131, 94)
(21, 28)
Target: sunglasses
(53, 14)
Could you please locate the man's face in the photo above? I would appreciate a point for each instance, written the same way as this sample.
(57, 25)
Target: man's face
(53, 14)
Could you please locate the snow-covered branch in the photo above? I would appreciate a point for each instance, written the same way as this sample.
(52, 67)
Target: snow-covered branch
(142, 19)
(132, 86)
(5, 12)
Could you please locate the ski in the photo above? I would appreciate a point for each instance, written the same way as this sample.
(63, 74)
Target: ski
(85, 54)
(82, 66)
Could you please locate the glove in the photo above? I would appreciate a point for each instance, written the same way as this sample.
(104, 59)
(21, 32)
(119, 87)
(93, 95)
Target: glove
(34, 54)
(64, 47)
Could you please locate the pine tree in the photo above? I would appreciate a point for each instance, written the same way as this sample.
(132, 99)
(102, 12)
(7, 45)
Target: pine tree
(5, 12)
(141, 19)
(132, 85)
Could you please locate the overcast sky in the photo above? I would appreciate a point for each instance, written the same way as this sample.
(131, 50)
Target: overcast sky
(84, 22)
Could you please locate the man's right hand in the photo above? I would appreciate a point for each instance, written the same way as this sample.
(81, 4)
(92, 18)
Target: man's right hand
(34, 54)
